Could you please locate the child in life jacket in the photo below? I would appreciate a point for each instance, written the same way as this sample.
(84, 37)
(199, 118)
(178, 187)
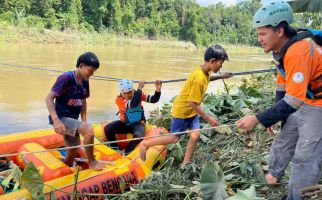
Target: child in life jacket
(132, 119)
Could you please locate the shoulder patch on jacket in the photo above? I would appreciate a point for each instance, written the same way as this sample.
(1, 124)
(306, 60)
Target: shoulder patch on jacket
(298, 77)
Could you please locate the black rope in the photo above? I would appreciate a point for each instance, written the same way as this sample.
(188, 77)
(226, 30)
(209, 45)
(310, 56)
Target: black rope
(254, 72)
(107, 78)
(58, 71)
(95, 77)
(30, 67)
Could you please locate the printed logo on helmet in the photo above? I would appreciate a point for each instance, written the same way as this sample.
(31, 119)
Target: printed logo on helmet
(278, 10)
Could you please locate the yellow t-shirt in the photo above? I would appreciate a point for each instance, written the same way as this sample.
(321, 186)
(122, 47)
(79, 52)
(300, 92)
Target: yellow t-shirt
(194, 90)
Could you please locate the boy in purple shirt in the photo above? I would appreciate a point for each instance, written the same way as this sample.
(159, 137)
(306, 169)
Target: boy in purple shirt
(66, 101)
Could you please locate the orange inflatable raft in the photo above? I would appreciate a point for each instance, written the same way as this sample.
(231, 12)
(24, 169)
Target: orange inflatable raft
(56, 174)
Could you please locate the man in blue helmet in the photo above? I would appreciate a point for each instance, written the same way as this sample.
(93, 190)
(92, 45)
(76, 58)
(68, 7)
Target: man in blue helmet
(298, 101)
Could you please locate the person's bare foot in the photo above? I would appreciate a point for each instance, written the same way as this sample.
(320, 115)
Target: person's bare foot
(270, 179)
(183, 164)
(143, 151)
(95, 165)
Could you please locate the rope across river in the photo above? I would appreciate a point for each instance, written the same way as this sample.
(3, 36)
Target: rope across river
(108, 78)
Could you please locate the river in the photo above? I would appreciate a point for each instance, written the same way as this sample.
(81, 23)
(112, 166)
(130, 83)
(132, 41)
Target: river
(23, 90)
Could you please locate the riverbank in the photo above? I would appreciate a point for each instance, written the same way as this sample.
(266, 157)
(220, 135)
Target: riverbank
(14, 34)
(17, 34)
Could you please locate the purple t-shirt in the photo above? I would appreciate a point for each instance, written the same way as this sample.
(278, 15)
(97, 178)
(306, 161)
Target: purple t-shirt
(70, 95)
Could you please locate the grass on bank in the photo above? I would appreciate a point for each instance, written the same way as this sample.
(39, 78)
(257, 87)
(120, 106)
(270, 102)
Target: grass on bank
(17, 34)
(23, 34)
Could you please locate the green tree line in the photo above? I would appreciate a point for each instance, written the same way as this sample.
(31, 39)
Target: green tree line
(174, 19)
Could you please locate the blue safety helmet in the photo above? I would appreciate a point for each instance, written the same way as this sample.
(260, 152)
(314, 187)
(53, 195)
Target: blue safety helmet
(273, 13)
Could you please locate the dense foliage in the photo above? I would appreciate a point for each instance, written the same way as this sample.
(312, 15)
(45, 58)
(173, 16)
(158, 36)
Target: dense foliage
(227, 162)
(174, 19)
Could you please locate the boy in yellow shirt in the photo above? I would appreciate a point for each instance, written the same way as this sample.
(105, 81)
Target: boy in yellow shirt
(186, 107)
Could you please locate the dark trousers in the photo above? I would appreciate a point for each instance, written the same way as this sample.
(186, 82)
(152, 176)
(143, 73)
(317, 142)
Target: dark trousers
(119, 127)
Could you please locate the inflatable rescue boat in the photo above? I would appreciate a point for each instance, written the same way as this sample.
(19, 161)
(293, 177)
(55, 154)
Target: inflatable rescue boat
(59, 178)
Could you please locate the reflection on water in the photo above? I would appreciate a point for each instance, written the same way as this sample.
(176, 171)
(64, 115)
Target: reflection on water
(22, 91)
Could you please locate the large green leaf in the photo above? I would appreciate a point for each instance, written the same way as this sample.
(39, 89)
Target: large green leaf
(205, 134)
(74, 194)
(209, 111)
(259, 173)
(122, 185)
(238, 103)
(212, 182)
(52, 195)
(253, 170)
(223, 130)
(246, 169)
(249, 194)
(252, 101)
(246, 111)
(176, 151)
(31, 179)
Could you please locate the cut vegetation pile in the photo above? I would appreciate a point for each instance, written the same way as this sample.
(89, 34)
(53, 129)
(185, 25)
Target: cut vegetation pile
(227, 164)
